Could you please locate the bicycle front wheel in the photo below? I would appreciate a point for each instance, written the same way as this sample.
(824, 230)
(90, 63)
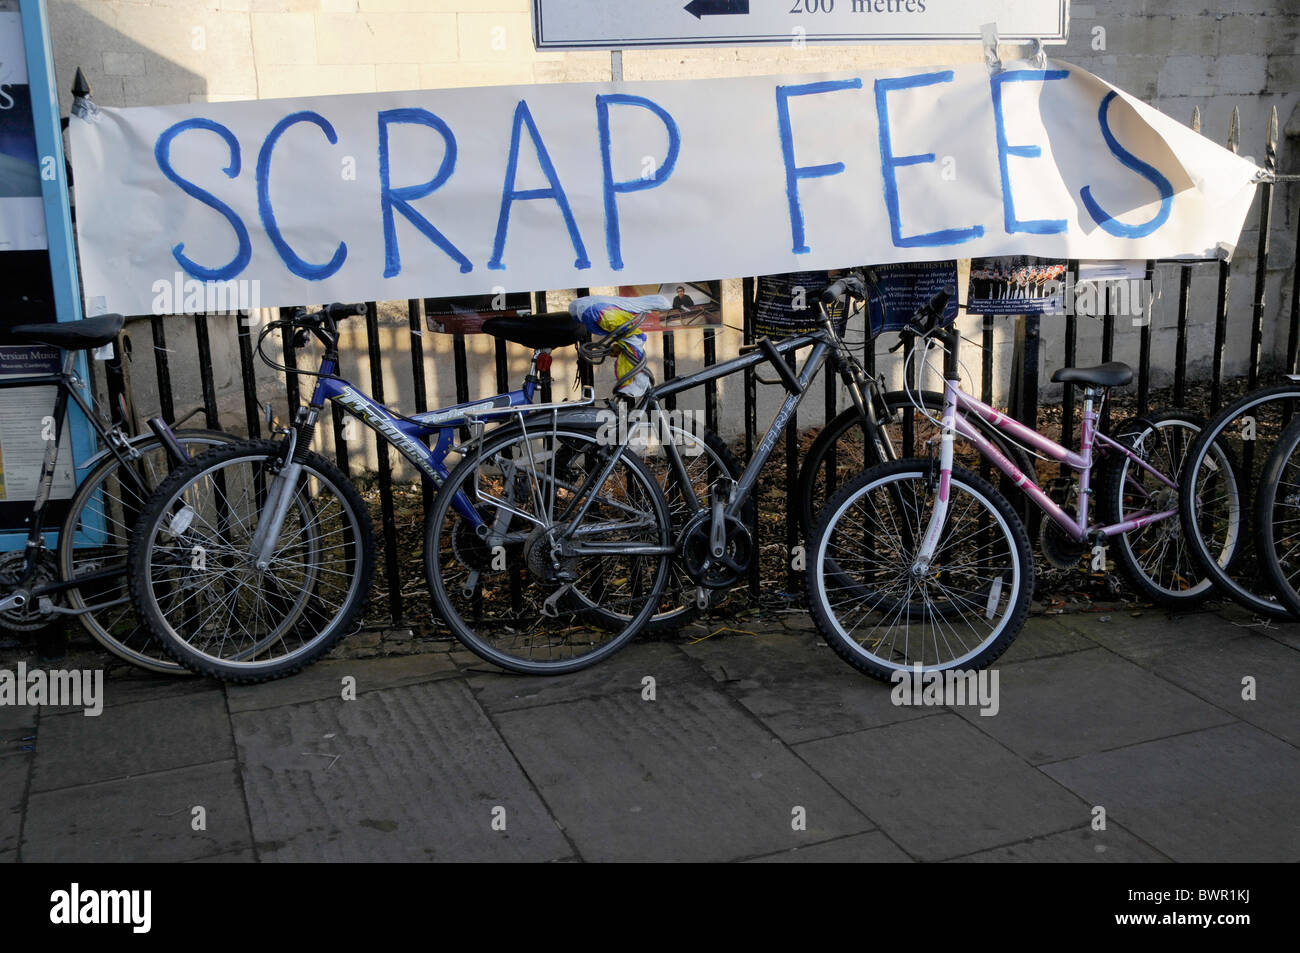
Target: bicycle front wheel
(197, 583)
(543, 554)
(93, 545)
(1246, 430)
(881, 610)
(1277, 514)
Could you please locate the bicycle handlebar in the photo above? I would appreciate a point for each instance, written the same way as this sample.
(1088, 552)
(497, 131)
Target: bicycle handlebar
(339, 311)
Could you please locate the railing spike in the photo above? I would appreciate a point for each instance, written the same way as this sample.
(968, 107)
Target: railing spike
(1196, 119)
(1234, 129)
(1270, 147)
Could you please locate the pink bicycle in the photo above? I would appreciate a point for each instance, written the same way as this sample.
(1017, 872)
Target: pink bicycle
(918, 562)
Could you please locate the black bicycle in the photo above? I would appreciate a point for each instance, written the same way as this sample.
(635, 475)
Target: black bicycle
(84, 575)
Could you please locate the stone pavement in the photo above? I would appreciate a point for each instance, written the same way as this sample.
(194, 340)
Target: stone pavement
(1136, 713)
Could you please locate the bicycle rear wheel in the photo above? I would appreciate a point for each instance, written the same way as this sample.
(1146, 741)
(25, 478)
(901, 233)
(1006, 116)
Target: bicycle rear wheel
(1155, 558)
(547, 588)
(879, 612)
(196, 583)
(94, 538)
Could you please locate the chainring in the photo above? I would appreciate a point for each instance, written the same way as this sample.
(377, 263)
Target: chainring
(697, 557)
(1057, 548)
(30, 617)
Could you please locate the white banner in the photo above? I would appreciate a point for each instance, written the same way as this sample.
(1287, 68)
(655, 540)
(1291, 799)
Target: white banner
(468, 191)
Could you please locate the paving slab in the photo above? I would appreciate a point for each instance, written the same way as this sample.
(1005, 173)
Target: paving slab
(410, 773)
(688, 778)
(243, 855)
(672, 671)
(1044, 636)
(1062, 707)
(324, 680)
(13, 718)
(1216, 673)
(13, 789)
(1084, 845)
(1135, 635)
(130, 685)
(870, 848)
(18, 731)
(132, 739)
(1283, 633)
(144, 818)
(941, 788)
(1223, 794)
(797, 686)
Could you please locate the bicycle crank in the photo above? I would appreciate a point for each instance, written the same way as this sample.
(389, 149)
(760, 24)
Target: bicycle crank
(716, 552)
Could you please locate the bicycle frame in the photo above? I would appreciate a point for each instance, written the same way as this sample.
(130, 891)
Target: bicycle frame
(66, 383)
(409, 434)
(821, 347)
(821, 343)
(1090, 438)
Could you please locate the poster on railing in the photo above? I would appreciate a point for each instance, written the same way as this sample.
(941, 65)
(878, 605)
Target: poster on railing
(466, 314)
(26, 426)
(22, 216)
(896, 292)
(692, 306)
(469, 191)
(1018, 284)
(786, 305)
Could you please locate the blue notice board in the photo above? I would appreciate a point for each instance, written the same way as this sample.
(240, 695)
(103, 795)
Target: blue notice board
(38, 263)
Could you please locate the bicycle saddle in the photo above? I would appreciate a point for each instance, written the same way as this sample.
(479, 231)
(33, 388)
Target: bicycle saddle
(1114, 374)
(71, 335)
(537, 330)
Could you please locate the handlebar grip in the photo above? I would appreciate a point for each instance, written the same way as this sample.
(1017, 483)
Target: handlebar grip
(833, 292)
(338, 311)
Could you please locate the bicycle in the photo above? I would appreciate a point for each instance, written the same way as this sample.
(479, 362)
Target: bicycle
(84, 576)
(1243, 429)
(930, 553)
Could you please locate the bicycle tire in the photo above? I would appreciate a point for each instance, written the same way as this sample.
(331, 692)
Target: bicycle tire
(1276, 493)
(318, 636)
(122, 633)
(1249, 589)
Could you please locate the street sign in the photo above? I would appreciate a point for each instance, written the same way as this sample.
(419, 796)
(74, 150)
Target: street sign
(580, 24)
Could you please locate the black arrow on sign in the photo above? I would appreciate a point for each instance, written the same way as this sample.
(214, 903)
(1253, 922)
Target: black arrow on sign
(713, 8)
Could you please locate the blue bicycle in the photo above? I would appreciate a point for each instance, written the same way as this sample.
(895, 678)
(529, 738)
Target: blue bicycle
(255, 560)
